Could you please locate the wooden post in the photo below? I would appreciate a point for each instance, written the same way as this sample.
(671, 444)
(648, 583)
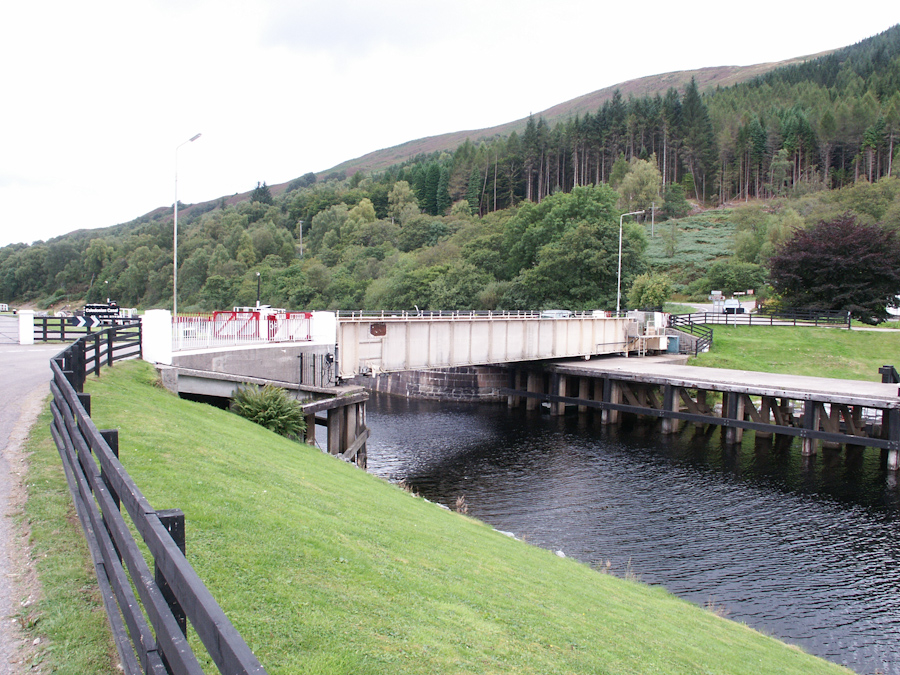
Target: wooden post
(733, 408)
(311, 429)
(810, 446)
(765, 413)
(701, 405)
(535, 380)
(85, 400)
(173, 521)
(672, 403)
(612, 393)
(584, 392)
(891, 419)
(558, 385)
(361, 454)
(111, 436)
(335, 425)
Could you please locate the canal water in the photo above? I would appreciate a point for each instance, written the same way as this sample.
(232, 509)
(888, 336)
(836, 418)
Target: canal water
(806, 550)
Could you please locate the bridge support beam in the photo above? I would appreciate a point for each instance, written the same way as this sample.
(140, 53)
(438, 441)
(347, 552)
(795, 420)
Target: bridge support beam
(811, 415)
(535, 380)
(584, 392)
(558, 386)
(671, 403)
(612, 393)
(733, 408)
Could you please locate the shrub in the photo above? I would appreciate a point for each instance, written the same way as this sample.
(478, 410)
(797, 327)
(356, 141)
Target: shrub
(272, 408)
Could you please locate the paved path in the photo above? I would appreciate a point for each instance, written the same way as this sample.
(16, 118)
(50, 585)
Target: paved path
(26, 374)
(9, 329)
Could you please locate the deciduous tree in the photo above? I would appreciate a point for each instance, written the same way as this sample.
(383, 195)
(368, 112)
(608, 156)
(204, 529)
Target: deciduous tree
(839, 265)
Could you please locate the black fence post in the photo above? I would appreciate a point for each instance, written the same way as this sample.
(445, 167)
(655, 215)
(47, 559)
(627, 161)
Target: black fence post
(85, 400)
(96, 345)
(173, 521)
(111, 436)
(109, 346)
(78, 365)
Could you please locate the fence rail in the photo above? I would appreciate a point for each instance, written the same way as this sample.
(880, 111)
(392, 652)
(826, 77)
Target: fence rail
(61, 328)
(149, 628)
(780, 318)
(701, 335)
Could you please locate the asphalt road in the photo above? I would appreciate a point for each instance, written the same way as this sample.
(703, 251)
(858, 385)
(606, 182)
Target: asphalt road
(25, 372)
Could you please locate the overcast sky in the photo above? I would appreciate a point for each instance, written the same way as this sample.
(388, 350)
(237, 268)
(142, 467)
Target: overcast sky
(97, 95)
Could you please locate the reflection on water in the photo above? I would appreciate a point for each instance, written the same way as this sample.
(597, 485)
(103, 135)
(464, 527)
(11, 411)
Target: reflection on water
(804, 549)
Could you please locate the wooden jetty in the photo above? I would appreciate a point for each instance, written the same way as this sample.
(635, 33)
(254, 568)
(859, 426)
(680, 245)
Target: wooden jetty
(816, 409)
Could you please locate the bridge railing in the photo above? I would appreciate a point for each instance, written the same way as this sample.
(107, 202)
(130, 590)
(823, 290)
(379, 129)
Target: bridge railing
(472, 314)
(149, 629)
(233, 329)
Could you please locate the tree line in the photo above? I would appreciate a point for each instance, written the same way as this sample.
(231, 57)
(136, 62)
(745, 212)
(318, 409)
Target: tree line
(525, 221)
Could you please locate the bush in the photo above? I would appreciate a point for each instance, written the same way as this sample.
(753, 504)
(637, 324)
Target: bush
(272, 408)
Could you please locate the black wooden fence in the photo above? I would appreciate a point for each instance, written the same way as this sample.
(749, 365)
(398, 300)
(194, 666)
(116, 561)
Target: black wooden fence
(150, 629)
(790, 317)
(62, 328)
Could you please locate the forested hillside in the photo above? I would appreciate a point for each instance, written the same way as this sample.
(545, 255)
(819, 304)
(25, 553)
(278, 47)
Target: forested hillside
(525, 220)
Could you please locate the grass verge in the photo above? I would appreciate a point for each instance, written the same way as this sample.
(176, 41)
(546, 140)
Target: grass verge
(822, 352)
(326, 569)
(68, 616)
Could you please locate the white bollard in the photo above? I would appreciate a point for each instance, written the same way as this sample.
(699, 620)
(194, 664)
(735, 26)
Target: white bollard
(156, 330)
(26, 327)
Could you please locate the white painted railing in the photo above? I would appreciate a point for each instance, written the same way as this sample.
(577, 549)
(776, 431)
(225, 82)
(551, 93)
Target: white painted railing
(230, 329)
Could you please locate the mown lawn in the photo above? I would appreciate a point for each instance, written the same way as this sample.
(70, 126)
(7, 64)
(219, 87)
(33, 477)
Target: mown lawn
(326, 569)
(822, 352)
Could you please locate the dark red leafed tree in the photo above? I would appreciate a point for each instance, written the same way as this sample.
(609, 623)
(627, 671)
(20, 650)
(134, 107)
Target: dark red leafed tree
(839, 265)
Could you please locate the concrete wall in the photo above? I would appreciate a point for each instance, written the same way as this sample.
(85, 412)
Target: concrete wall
(469, 383)
(277, 362)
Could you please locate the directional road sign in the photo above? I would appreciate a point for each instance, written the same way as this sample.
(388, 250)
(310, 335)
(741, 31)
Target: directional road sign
(82, 321)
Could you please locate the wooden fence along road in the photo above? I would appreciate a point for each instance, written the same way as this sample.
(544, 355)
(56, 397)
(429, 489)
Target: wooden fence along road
(149, 630)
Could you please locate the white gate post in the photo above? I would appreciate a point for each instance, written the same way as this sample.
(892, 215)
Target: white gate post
(26, 327)
(156, 331)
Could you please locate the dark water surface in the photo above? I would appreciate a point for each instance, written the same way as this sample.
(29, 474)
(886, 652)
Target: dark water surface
(808, 551)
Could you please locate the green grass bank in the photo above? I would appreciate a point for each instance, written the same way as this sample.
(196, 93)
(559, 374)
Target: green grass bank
(326, 569)
(821, 352)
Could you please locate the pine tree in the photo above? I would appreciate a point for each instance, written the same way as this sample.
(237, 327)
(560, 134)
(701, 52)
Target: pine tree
(699, 140)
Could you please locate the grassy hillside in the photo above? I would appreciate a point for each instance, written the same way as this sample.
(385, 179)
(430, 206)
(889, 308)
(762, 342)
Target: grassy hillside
(706, 78)
(326, 569)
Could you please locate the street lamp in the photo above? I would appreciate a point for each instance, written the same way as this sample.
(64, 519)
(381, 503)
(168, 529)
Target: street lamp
(175, 238)
(619, 274)
(257, 290)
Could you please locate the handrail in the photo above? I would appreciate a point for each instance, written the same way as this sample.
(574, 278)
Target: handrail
(702, 332)
(150, 634)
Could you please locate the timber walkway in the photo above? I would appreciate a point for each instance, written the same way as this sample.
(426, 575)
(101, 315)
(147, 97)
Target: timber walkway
(816, 409)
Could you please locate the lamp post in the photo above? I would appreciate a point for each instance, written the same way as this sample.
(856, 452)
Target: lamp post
(175, 237)
(619, 273)
(257, 290)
